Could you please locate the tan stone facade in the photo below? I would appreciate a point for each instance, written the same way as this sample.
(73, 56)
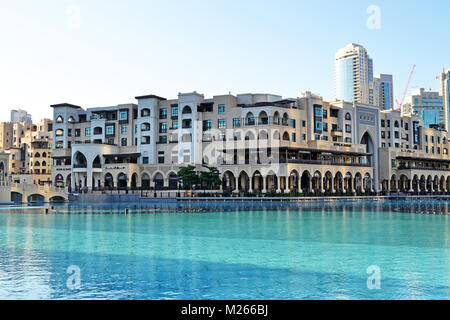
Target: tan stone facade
(259, 143)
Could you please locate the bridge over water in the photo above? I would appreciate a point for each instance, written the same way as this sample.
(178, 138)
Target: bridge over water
(34, 193)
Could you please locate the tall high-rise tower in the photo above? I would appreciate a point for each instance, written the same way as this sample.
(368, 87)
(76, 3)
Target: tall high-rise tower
(386, 91)
(354, 75)
(445, 93)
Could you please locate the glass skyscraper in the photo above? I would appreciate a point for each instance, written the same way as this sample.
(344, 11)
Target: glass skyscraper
(354, 75)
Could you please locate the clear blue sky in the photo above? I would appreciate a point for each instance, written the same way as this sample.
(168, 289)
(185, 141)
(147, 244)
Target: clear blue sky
(121, 49)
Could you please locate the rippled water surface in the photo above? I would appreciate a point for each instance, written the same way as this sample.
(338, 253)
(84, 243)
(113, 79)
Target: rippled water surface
(317, 251)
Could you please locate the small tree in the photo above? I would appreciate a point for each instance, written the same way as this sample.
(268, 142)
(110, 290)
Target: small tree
(188, 177)
(211, 178)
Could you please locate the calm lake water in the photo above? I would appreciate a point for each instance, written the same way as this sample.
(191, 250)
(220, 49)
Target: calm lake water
(317, 251)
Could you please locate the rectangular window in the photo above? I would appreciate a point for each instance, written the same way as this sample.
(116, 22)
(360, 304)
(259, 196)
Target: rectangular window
(161, 160)
(303, 123)
(383, 134)
(206, 125)
(163, 139)
(325, 127)
(69, 133)
(325, 114)
(174, 111)
(124, 129)
(124, 142)
(293, 124)
(110, 129)
(110, 141)
(145, 160)
(236, 122)
(383, 123)
(163, 127)
(221, 108)
(175, 125)
(163, 113)
(293, 137)
(87, 132)
(348, 128)
(222, 123)
(123, 115)
(77, 132)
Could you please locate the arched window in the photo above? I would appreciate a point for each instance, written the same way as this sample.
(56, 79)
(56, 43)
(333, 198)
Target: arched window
(37, 164)
(44, 155)
(187, 110)
(71, 119)
(263, 118)
(250, 119)
(145, 112)
(348, 117)
(59, 132)
(37, 155)
(145, 127)
(285, 119)
(59, 119)
(396, 124)
(44, 164)
(286, 136)
(98, 130)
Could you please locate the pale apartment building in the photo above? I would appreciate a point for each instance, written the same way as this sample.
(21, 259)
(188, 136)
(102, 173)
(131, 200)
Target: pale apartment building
(428, 105)
(259, 143)
(30, 150)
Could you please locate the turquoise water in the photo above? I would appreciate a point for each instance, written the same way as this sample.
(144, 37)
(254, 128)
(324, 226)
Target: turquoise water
(319, 251)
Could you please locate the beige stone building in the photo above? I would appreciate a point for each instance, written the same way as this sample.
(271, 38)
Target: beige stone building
(30, 148)
(259, 142)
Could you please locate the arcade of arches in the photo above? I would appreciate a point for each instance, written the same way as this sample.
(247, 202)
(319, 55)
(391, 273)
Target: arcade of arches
(417, 183)
(302, 181)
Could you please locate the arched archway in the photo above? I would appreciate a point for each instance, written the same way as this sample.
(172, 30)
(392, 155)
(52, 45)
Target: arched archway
(257, 182)
(358, 183)
(80, 160)
(243, 181)
(134, 178)
(370, 147)
(36, 198)
(173, 181)
(59, 181)
(97, 163)
(3, 173)
(317, 182)
(229, 181)
(122, 180)
(109, 180)
(272, 182)
(306, 182)
(338, 183)
(348, 182)
(158, 179)
(145, 181)
(328, 182)
(294, 179)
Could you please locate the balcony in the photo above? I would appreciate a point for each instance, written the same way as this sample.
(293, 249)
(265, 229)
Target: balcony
(325, 163)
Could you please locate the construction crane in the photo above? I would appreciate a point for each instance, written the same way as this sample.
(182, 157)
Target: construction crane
(400, 104)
